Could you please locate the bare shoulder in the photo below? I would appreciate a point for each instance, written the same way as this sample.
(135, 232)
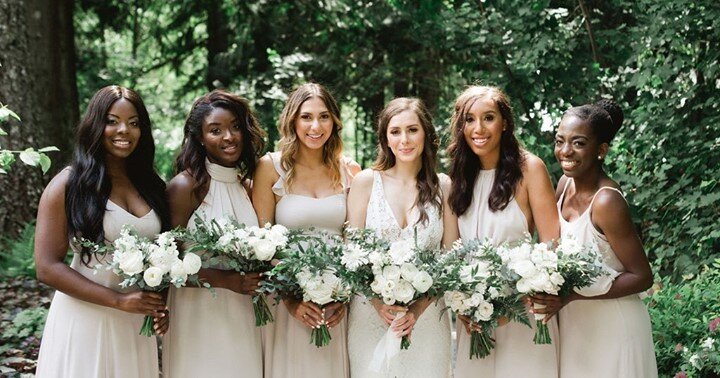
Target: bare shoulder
(352, 166)
(363, 180)
(266, 168)
(56, 187)
(560, 186)
(533, 165)
(608, 202)
(182, 184)
(445, 182)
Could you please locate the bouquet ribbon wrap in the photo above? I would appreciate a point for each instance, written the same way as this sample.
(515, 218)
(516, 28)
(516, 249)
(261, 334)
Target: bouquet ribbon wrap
(387, 348)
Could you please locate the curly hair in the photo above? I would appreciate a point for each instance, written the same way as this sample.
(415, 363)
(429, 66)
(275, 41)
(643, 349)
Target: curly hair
(427, 184)
(465, 165)
(192, 153)
(289, 143)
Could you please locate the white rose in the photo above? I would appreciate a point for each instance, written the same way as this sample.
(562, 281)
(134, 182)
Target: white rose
(401, 251)
(178, 275)
(322, 295)
(162, 258)
(474, 300)
(569, 246)
(523, 285)
(422, 281)
(480, 288)
(524, 268)
(375, 258)
(264, 250)
(404, 291)
(388, 300)
(192, 263)
(455, 299)
(391, 272)
(557, 279)
(483, 312)
(153, 276)
(130, 262)
(408, 271)
(303, 277)
(494, 293)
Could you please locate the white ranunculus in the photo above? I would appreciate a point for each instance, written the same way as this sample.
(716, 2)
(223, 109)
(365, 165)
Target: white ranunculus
(178, 275)
(473, 300)
(422, 281)
(401, 251)
(162, 258)
(153, 276)
(192, 263)
(264, 250)
(404, 291)
(455, 299)
(388, 300)
(484, 312)
(130, 262)
(391, 272)
(408, 271)
(377, 285)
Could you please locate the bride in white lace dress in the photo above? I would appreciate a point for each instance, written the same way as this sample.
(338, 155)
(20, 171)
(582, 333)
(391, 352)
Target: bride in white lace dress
(401, 196)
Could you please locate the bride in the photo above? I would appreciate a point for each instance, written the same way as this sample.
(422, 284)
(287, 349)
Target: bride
(401, 195)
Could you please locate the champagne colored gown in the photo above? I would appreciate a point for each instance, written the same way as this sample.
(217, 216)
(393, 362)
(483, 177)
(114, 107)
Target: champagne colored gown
(82, 339)
(515, 354)
(214, 336)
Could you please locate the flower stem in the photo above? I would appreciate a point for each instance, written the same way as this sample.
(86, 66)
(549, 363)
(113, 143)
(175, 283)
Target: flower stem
(405, 342)
(147, 327)
(542, 333)
(263, 315)
(320, 336)
(480, 344)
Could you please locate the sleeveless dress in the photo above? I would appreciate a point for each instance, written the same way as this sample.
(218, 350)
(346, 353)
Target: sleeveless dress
(214, 336)
(604, 337)
(288, 352)
(515, 354)
(83, 339)
(429, 354)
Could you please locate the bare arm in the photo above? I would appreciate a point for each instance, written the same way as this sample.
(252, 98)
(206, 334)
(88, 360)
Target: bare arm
(51, 245)
(611, 214)
(450, 222)
(541, 199)
(263, 198)
(358, 198)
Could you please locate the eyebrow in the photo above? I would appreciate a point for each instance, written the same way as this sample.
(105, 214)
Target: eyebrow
(233, 121)
(134, 116)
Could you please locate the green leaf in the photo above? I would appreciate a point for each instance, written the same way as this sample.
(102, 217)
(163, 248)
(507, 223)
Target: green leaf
(30, 157)
(44, 163)
(5, 113)
(49, 149)
(2, 132)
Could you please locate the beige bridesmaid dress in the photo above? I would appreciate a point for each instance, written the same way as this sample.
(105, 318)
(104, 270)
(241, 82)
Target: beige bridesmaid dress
(515, 354)
(214, 336)
(603, 338)
(82, 339)
(288, 352)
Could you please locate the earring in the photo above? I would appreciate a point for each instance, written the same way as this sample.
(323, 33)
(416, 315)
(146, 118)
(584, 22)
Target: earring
(600, 157)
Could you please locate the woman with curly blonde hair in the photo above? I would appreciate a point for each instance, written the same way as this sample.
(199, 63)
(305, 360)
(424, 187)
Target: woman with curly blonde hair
(304, 185)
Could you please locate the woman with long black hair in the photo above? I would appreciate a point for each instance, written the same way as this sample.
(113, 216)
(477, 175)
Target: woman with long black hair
(92, 326)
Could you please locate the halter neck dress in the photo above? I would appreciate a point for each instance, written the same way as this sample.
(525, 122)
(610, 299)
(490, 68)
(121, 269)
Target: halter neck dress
(214, 335)
(288, 352)
(83, 339)
(603, 338)
(515, 354)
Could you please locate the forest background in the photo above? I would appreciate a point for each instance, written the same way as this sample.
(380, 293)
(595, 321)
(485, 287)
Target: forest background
(658, 59)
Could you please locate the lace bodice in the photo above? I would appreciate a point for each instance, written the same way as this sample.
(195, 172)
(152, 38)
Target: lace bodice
(381, 219)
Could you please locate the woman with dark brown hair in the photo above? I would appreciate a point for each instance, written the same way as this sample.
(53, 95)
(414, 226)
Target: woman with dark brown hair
(500, 192)
(402, 197)
(214, 334)
(304, 186)
(92, 326)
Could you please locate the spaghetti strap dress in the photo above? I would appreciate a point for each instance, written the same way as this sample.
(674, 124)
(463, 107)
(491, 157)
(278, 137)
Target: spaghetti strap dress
(214, 335)
(429, 354)
(83, 339)
(603, 338)
(288, 352)
(515, 354)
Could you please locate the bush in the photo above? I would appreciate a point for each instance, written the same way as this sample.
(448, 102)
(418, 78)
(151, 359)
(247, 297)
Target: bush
(681, 314)
(27, 323)
(17, 259)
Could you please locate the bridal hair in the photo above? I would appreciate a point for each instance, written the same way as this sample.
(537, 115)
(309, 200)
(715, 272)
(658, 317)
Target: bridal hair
(465, 165)
(427, 184)
(193, 154)
(289, 143)
(88, 188)
(604, 117)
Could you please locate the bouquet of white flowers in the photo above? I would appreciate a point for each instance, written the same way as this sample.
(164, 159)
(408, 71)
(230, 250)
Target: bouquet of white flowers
(538, 268)
(150, 265)
(308, 270)
(470, 275)
(225, 242)
(397, 273)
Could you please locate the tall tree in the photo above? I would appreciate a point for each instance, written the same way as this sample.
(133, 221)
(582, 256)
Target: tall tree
(37, 77)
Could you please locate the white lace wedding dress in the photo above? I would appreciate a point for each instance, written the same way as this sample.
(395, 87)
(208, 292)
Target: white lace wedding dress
(429, 352)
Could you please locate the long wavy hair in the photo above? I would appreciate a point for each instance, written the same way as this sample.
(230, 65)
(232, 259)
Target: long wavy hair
(193, 154)
(466, 166)
(88, 188)
(289, 143)
(427, 181)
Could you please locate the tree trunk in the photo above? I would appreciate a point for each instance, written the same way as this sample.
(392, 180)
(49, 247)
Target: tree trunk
(37, 80)
(217, 43)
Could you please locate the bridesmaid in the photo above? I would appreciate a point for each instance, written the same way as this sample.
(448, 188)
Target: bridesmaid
(502, 192)
(301, 186)
(400, 197)
(605, 332)
(214, 334)
(92, 326)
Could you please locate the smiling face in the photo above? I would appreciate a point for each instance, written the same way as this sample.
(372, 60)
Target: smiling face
(406, 137)
(313, 124)
(122, 130)
(222, 137)
(483, 127)
(577, 148)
